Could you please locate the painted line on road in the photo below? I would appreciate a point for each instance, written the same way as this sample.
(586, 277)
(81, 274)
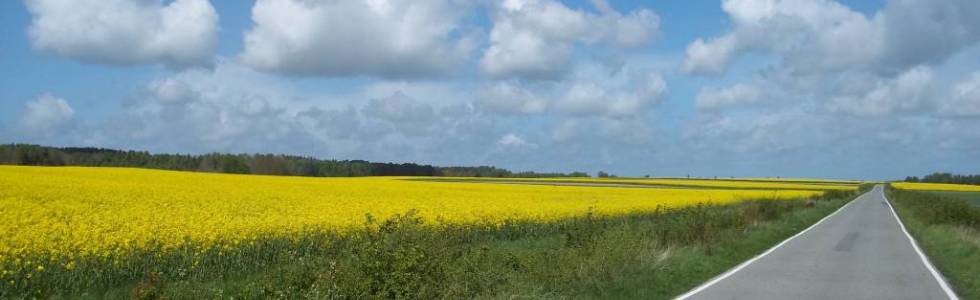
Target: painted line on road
(732, 271)
(925, 260)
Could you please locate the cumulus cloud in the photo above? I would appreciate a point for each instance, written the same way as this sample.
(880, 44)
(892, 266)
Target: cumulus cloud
(710, 57)
(826, 66)
(627, 95)
(512, 141)
(536, 38)
(921, 32)
(965, 98)
(824, 35)
(864, 82)
(352, 38)
(809, 34)
(402, 113)
(229, 107)
(911, 91)
(511, 97)
(175, 33)
(620, 132)
(172, 91)
(46, 116)
(739, 94)
(769, 133)
(590, 91)
(233, 108)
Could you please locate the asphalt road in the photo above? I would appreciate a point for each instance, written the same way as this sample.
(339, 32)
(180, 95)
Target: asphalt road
(859, 252)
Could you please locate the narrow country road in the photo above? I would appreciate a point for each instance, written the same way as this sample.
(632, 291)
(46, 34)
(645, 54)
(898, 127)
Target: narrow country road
(859, 252)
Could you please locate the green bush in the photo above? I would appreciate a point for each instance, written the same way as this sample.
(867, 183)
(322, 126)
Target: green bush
(935, 209)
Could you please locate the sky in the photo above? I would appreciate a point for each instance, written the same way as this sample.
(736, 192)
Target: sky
(878, 89)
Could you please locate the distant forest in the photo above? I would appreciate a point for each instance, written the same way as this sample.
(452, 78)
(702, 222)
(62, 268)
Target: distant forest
(265, 164)
(946, 178)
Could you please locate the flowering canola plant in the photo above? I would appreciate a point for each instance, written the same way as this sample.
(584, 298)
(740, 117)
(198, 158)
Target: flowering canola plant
(683, 182)
(69, 213)
(936, 187)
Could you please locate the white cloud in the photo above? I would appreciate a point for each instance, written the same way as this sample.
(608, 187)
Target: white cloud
(513, 141)
(921, 32)
(811, 35)
(911, 91)
(736, 95)
(233, 108)
(172, 90)
(402, 114)
(536, 38)
(46, 116)
(511, 97)
(824, 35)
(224, 108)
(351, 38)
(623, 95)
(179, 33)
(589, 91)
(711, 57)
(965, 98)
(767, 133)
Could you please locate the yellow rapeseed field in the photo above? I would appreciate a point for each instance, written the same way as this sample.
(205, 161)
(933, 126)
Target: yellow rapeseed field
(806, 180)
(936, 187)
(698, 183)
(77, 212)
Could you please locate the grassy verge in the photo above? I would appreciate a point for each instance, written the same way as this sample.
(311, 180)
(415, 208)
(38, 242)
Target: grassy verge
(972, 198)
(650, 255)
(948, 230)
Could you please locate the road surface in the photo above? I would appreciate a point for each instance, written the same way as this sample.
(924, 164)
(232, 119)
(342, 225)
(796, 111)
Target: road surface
(859, 252)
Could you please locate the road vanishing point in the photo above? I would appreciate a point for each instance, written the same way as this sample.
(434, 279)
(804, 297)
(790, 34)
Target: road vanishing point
(861, 251)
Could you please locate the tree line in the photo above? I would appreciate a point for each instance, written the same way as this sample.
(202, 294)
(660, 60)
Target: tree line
(264, 164)
(946, 178)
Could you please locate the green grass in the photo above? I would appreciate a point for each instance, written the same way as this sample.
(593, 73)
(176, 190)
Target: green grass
(647, 256)
(973, 198)
(948, 230)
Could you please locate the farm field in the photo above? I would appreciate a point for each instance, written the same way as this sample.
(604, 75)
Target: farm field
(968, 193)
(775, 179)
(749, 184)
(918, 186)
(64, 223)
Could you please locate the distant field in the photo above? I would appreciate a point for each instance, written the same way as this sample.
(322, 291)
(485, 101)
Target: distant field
(779, 179)
(747, 184)
(917, 186)
(968, 193)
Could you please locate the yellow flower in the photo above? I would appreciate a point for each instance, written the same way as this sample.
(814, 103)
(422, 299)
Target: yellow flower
(936, 187)
(70, 213)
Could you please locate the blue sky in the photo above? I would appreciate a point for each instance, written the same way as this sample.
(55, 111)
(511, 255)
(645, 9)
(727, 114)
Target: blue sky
(804, 88)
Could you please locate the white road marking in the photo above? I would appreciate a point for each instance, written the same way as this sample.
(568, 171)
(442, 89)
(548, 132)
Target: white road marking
(757, 257)
(925, 260)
